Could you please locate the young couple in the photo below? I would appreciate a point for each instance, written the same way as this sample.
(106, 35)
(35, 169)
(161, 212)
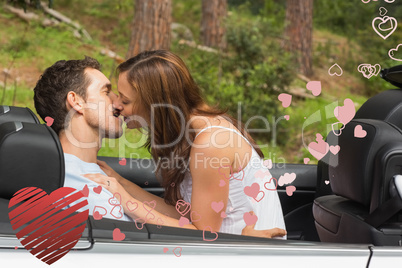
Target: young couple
(157, 92)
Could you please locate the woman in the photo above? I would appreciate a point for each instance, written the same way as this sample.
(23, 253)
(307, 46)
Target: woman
(205, 157)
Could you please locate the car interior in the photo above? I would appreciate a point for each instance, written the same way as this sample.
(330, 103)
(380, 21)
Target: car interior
(351, 197)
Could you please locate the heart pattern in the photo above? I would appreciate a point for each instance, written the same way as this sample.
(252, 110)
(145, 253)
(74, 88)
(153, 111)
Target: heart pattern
(368, 70)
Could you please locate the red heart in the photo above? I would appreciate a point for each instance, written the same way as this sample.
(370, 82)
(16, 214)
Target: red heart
(183, 207)
(48, 226)
(118, 235)
(85, 191)
(98, 189)
(123, 162)
(97, 215)
(49, 121)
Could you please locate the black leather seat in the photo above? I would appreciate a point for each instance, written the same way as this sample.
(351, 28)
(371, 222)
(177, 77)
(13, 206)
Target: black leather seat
(365, 208)
(13, 113)
(30, 154)
(385, 106)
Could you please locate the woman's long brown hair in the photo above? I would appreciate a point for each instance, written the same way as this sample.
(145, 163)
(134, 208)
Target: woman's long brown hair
(160, 78)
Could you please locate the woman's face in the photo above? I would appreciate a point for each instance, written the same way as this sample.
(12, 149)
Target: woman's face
(128, 103)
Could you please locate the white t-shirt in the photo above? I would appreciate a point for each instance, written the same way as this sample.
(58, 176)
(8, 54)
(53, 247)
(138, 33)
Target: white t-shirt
(103, 202)
(266, 206)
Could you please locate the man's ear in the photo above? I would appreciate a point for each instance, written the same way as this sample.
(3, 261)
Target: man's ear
(74, 101)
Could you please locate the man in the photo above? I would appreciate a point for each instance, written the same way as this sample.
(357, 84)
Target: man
(78, 97)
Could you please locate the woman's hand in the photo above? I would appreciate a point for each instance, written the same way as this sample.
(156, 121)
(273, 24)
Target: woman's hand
(109, 183)
(270, 233)
(109, 171)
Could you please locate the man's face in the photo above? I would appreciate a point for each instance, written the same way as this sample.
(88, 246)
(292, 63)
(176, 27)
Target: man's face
(98, 109)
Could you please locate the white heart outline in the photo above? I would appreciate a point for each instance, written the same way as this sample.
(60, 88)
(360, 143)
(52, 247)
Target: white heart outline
(384, 19)
(377, 69)
(394, 49)
(335, 65)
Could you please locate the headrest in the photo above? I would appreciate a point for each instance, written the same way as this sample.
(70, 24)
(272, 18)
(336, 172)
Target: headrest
(351, 170)
(386, 106)
(12, 113)
(30, 155)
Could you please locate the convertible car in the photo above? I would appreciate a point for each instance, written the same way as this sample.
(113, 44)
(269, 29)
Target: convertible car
(345, 212)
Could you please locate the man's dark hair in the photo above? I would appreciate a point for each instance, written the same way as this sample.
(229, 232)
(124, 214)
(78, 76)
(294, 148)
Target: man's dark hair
(54, 84)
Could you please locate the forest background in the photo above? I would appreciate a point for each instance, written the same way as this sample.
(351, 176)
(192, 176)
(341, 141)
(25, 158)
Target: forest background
(249, 73)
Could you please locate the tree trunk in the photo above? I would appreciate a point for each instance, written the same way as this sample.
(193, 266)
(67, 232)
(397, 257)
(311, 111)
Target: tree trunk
(150, 26)
(299, 32)
(212, 23)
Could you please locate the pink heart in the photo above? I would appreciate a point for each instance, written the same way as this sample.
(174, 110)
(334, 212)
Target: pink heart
(286, 99)
(335, 70)
(223, 214)
(359, 132)
(290, 189)
(177, 251)
(268, 163)
(49, 121)
(194, 216)
(132, 205)
(326, 182)
(384, 20)
(97, 216)
(318, 149)
(117, 212)
(286, 117)
(123, 162)
(314, 87)
(306, 160)
(346, 112)
(269, 184)
(391, 53)
(183, 221)
(259, 196)
(222, 183)
(334, 149)
(203, 234)
(118, 235)
(286, 178)
(249, 219)
(98, 189)
(165, 250)
(217, 206)
(99, 212)
(139, 223)
(252, 190)
(183, 207)
(262, 174)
